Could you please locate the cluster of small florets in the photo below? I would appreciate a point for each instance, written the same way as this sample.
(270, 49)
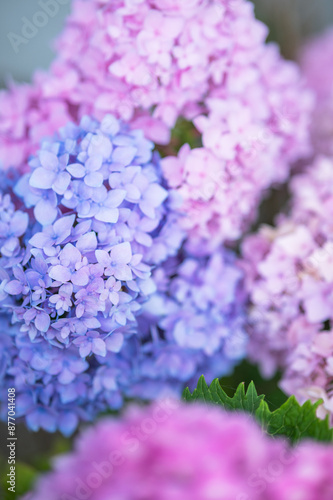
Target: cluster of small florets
(13, 225)
(151, 62)
(151, 453)
(199, 311)
(290, 282)
(104, 303)
(97, 198)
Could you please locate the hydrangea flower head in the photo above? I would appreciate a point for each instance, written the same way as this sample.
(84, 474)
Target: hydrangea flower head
(97, 198)
(172, 451)
(152, 62)
(290, 282)
(99, 300)
(201, 311)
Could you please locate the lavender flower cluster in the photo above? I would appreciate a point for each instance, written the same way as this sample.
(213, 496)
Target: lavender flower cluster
(98, 299)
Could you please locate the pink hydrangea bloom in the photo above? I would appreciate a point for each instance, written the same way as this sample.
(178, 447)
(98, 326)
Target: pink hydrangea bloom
(289, 276)
(317, 65)
(170, 451)
(27, 116)
(153, 61)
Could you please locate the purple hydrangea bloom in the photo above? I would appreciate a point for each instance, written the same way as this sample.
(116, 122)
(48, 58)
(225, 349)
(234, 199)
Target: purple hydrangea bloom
(97, 210)
(99, 300)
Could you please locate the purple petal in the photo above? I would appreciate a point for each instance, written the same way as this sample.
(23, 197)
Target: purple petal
(156, 195)
(68, 393)
(102, 257)
(68, 422)
(81, 228)
(100, 145)
(80, 277)
(40, 240)
(38, 362)
(114, 342)
(63, 227)
(61, 182)
(147, 208)
(24, 404)
(94, 163)
(133, 192)
(41, 419)
(114, 298)
(92, 323)
(122, 253)
(45, 212)
(10, 246)
(123, 273)
(66, 376)
(143, 238)
(76, 170)
(87, 242)
(42, 178)
(48, 160)
(114, 198)
(124, 155)
(60, 273)
(85, 350)
(110, 125)
(79, 311)
(42, 321)
(94, 179)
(110, 215)
(71, 254)
(99, 347)
(14, 287)
(19, 223)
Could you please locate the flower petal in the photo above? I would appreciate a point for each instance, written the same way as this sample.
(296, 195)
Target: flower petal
(94, 179)
(122, 253)
(87, 242)
(60, 273)
(14, 287)
(45, 212)
(76, 170)
(99, 347)
(42, 178)
(110, 215)
(42, 321)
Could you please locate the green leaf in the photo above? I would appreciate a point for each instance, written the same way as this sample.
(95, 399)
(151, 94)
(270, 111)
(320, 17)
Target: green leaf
(24, 479)
(291, 419)
(297, 422)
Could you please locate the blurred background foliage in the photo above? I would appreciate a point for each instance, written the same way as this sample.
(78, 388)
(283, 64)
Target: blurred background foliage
(290, 23)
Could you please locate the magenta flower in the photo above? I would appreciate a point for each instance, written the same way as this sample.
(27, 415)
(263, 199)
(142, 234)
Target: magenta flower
(186, 453)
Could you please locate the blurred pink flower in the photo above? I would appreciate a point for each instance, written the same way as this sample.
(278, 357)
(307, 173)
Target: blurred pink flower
(171, 451)
(289, 278)
(317, 64)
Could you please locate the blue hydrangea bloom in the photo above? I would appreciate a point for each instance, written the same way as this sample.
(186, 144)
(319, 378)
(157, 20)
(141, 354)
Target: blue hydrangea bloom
(99, 300)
